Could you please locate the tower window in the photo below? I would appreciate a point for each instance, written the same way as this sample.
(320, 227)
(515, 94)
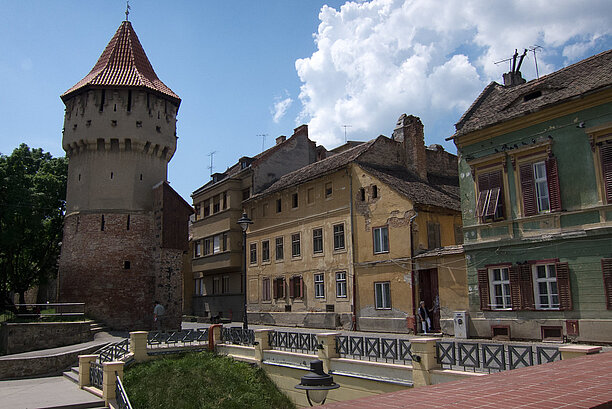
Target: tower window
(129, 102)
(115, 108)
(374, 191)
(111, 175)
(128, 145)
(126, 265)
(158, 128)
(79, 177)
(128, 223)
(102, 223)
(362, 194)
(100, 144)
(141, 176)
(102, 101)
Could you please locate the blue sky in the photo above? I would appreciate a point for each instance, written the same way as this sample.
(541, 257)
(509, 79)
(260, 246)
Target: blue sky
(246, 68)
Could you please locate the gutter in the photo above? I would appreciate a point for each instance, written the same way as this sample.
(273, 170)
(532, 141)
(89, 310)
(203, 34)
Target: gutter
(412, 272)
(353, 304)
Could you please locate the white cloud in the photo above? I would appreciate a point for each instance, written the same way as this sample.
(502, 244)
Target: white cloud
(280, 108)
(377, 59)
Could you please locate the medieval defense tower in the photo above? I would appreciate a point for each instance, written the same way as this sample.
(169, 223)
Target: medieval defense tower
(125, 229)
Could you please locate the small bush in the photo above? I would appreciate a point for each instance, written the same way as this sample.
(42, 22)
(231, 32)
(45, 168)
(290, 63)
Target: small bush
(200, 381)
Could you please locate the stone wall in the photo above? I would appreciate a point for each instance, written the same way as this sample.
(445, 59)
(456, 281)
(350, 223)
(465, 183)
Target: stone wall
(24, 337)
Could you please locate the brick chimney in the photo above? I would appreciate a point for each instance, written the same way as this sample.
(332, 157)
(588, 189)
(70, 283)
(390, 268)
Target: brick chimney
(409, 132)
(280, 139)
(301, 130)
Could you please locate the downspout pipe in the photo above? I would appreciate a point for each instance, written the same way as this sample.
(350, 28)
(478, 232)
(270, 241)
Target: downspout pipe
(412, 272)
(353, 302)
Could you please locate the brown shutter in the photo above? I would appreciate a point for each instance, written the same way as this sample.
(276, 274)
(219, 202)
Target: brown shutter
(292, 287)
(482, 200)
(301, 287)
(515, 288)
(526, 283)
(493, 201)
(606, 268)
(483, 289)
(563, 284)
(530, 204)
(552, 178)
(605, 153)
(275, 288)
(281, 285)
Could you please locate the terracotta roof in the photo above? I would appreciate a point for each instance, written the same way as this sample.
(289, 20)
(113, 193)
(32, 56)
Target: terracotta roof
(498, 103)
(123, 63)
(442, 251)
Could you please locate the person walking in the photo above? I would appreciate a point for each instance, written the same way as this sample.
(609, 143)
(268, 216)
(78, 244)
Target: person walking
(424, 316)
(158, 315)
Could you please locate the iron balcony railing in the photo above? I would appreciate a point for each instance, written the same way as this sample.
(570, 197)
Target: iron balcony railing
(163, 339)
(123, 402)
(96, 374)
(113, 352)
(390, 350)
(487, 357)
(293, 341)
(237, 335)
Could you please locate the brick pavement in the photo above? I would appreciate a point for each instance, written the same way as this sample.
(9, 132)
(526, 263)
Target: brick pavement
(584, 382)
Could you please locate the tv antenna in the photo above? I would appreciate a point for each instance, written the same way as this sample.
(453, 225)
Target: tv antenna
(534, 49)
(127, 9)
(263, 140)
(346, 126)
(211, 154)
(514, 67)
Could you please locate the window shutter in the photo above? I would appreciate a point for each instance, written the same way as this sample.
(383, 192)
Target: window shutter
(606, 268)
(530, 205)
(526, 284)
(563, 285)
(605, 153)
(483, 191)
(515, 288)
(301, 287)
(281, 286)
(292, 287)
(275, 288)
(483, 289)
(493, 200)
(552, 178)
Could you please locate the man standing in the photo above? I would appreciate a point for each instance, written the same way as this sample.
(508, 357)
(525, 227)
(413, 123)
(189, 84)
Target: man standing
(158, 315)
(425, 320)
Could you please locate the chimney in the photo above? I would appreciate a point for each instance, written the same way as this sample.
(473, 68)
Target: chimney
(514, 77)
(301, 130)
(409, 132)
(280, 139)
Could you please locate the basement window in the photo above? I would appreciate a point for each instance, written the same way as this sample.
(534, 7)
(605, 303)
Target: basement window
(552, 333)
(532, 95)
(126, 265)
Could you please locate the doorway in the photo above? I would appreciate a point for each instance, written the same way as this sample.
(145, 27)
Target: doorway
(428, 292)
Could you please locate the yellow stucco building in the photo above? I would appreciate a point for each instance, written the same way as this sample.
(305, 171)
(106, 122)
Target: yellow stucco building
(357, 239)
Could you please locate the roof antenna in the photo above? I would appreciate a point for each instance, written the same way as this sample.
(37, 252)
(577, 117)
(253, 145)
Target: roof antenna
(263, 140)
(346, 126)
(534, 48)
(211, 154)
(127, 10)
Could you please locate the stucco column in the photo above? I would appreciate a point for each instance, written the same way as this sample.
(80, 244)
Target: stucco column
(423, 360)
(214, 336)
(138, 345)
(84, 366)
(575, 351)
(109, 379)
(262, 343)
(327, 348)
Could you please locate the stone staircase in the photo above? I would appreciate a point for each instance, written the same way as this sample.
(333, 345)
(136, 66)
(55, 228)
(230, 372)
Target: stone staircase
(73, 376)
(96, 327)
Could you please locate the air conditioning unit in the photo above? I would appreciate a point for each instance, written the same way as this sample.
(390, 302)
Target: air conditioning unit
(460, 319)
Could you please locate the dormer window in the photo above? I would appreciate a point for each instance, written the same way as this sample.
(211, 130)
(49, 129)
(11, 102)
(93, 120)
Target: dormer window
(243, 165)
(532, 95)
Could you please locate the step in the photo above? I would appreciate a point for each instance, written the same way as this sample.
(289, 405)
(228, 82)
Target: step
(72, 374)
(89, 405)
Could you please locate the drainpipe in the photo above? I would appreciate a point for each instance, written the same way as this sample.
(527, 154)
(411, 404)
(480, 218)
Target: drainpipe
(414, 326)
(353, 306)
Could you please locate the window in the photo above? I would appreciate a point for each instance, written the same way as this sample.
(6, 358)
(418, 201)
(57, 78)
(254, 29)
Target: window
(606, 269)
(374, 191)
(279, 248)
(265, 251)
(458, 234)
(246, 193)
(216, 204)
(382, 295)
(319, 285)
(294, 200)
(253, 253)
(199, 286)
(381, 240)
(295, 245)
(499, 286)
(317, 241)
(433, 235)
(490, 206)
(225, 287)
(197, 211)
(310, 195)
(224, 200)
(217, 244)
(540, 187)
(279, 288)
(216, 285)
(265, 289)
(264, 209)
(197, 248)
(328, 189)
(207, 245)
(296, 287)
(545, 286)
(206, 208)
(279, 205)
(339, 237)
(362, 194)
(541, 285)
(341, 284)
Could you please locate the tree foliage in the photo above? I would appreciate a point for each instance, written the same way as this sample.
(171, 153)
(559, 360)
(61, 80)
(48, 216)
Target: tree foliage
(32, 204)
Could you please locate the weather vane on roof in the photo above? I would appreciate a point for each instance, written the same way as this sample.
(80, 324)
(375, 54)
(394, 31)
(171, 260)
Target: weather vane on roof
(127, 10)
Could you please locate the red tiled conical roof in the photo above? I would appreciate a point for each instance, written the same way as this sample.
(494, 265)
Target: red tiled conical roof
(123, 64)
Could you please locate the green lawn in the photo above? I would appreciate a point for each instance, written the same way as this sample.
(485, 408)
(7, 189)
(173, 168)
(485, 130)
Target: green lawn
(201, 380)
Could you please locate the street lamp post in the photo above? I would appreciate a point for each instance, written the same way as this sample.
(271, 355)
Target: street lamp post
(317, 383)
(244, 223)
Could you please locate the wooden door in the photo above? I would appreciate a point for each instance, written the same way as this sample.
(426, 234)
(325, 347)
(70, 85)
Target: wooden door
(428, 292)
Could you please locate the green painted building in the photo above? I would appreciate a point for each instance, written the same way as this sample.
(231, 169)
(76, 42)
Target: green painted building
(535, 169)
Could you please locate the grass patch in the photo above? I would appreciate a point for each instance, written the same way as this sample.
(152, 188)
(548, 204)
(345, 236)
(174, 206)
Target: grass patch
(200, 381)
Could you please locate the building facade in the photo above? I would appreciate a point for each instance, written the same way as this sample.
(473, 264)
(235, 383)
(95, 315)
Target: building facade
(536, 181)
(125, 228)
(217, 238)
(334, 244)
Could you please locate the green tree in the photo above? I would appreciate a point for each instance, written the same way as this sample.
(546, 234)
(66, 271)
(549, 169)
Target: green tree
(32, 204)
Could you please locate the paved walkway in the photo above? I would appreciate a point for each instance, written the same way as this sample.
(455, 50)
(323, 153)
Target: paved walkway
(42, 393)
(584, 382)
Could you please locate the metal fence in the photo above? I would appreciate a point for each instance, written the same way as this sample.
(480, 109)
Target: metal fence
(123, 402)
(293, 341)
(486, 357)
(237, 335)
(391, 350)
(46, 311)
(113, 352)
(96, 374)
(163, 339)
